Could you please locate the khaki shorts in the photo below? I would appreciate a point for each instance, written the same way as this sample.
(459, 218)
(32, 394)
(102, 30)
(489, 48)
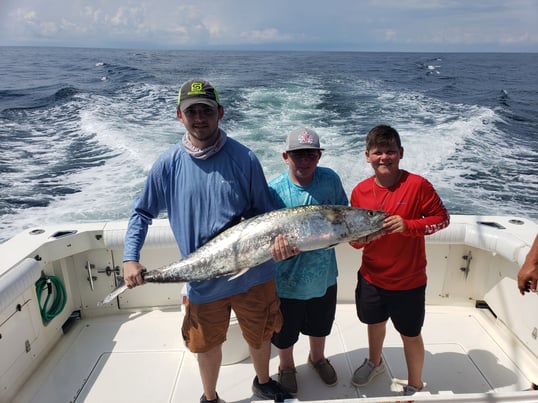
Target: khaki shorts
(257, 311)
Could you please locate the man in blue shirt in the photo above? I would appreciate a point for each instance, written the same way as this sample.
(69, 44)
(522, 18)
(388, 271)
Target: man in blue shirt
(306, 283)
(206, 183)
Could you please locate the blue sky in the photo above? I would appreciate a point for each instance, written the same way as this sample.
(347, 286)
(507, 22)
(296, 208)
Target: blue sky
(355, 25)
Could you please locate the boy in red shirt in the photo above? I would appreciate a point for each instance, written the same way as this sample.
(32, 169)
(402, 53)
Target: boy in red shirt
(392, 277)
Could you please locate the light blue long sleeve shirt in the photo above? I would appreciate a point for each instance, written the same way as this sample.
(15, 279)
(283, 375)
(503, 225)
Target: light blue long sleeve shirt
(309, 274)
(202, 198)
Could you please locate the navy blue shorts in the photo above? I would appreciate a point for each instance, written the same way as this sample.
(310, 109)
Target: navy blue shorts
(311, 317)
(406, 308)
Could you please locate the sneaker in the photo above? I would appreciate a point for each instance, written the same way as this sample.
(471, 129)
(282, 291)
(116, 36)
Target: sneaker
(271, 390)
(366, 372)
(409, 390)
(286, 377)
(325, 371)
(217, 400)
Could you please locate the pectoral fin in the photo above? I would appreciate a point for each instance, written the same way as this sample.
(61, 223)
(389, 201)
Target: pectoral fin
(238, 274)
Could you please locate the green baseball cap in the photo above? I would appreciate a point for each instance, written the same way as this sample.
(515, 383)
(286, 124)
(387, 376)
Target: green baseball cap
(197, 91)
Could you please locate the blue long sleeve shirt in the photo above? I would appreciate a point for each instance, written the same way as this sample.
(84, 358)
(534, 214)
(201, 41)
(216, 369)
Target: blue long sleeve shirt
(203, 197)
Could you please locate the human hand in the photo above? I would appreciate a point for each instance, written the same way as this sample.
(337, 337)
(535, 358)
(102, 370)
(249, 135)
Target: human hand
(527, 278)
(132, 273)
(394, 224)
(282, 250)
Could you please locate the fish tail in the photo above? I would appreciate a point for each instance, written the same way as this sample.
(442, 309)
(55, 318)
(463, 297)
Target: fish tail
(121, 287)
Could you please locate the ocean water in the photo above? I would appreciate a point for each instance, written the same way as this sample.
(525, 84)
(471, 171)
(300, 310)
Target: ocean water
(80, 128)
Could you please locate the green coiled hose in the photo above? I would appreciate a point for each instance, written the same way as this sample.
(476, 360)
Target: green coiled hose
(50, 307)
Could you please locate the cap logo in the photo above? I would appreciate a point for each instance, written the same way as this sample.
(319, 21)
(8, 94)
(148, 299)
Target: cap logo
(305, 138)
(196, 89)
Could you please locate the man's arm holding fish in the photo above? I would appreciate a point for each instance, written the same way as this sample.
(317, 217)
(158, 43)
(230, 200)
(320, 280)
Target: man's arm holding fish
(134, 239)
(147, 207)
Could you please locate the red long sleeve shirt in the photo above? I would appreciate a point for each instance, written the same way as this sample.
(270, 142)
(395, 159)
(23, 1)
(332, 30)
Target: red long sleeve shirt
(398, 261)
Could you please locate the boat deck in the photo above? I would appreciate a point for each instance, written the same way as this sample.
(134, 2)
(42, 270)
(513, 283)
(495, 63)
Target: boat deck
(140, 357)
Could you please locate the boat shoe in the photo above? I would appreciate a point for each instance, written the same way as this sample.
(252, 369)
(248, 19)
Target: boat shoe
(366, 372)
(287, 379)
(325, 371)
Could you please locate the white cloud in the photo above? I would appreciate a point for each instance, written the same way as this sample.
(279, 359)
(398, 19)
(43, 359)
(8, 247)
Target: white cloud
(25, 15)
(357, 25)
(390, 34)
(266, 35)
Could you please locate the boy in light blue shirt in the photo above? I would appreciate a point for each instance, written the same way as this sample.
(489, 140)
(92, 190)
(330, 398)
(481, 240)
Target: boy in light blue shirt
(306, 283)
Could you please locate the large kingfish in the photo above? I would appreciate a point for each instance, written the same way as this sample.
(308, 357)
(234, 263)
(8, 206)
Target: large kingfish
(248, 243)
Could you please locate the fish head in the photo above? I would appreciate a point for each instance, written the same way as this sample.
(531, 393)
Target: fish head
(376, 217)
(363, 222)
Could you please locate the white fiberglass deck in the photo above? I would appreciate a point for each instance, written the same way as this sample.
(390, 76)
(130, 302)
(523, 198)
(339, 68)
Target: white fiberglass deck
(140, 357)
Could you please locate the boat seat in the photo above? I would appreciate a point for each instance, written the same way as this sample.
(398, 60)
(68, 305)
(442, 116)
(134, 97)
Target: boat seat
(18, 280)
(483, 237)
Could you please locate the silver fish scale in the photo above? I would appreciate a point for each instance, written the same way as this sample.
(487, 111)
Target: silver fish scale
(248, 243)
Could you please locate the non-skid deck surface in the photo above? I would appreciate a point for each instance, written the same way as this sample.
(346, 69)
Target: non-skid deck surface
(141, 358)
